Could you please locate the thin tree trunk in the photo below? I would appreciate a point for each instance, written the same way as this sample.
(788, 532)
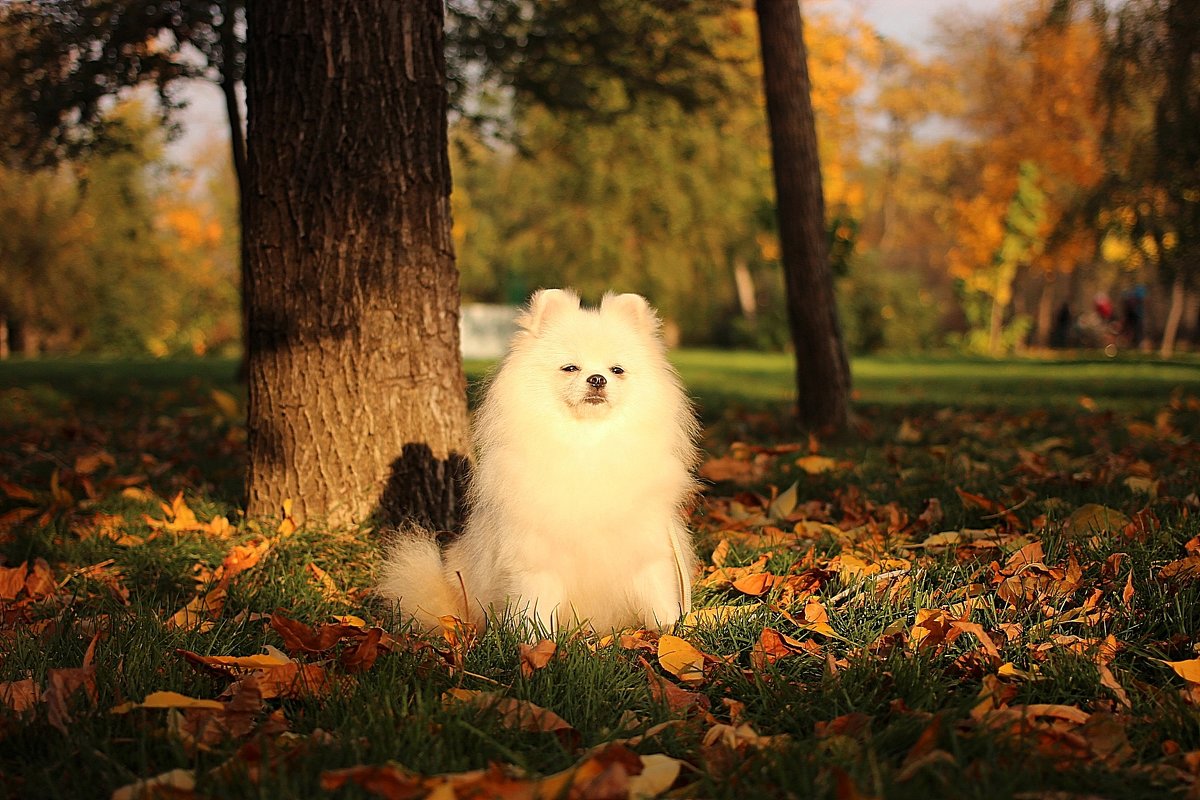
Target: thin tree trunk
(237, 147)
(822, 372)
(1174, 315)
(743, 281)
(1045, 312)
(997, 321)
(357, 398)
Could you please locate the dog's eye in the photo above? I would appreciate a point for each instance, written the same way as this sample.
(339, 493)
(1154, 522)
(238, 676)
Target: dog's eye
(617, 370)
(570, 368)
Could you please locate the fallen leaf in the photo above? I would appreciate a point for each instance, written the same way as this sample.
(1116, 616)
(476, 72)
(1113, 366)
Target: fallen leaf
(716, 615)
(169, 700)
(1188, 670)
(177, 783)
(20, 696)
(536, 656)
(756, 584)
(815, 465)
(659, 773)
(1093, 518)
(681, 659)
(516, 714)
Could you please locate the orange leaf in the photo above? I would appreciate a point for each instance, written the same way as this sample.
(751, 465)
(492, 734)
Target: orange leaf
(387, 781)
(756, 584)
(535, 657)
(16, 492)
(12, 581)
(1188, 670)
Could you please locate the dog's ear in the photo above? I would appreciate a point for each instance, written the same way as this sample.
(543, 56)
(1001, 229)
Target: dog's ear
(633, 309)
(544, 304)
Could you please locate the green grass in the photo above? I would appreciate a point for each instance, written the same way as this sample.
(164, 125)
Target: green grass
(869, 709)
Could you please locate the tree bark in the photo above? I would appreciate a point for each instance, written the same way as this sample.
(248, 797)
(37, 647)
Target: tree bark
(357, 398)
(237, 148)
(822, 371)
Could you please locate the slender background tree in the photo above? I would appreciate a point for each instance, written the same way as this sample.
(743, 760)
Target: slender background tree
(822, 370)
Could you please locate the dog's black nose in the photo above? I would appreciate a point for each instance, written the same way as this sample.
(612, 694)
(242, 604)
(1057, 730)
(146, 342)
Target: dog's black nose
(597, 381)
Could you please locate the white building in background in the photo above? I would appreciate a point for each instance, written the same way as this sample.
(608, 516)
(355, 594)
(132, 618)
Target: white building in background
(485, 330)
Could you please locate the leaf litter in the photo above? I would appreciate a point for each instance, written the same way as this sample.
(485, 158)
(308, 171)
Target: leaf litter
(1031, 574)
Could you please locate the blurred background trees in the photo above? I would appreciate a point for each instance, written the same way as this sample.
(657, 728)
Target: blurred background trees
(620, 144)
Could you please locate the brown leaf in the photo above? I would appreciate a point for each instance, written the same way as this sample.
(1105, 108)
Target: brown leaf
(1093, 518)
(16, 492)
(772, 646)
(298, 637)
(177, 783)
(517, 714)
(40, 582)
(537, 656)
(62, 686)
(387, 781)
(20, 696)
(90, 463)
(363, 655)
(12, 581)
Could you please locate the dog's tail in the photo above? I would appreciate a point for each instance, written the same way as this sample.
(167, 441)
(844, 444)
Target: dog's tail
(414, 576)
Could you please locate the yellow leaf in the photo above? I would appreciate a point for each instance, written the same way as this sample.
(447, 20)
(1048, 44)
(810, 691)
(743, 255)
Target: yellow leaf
(717, 615)
(815, 465)
(784, 504)
(1188, 670)
(681, 659)
(226, 403)
(169, 700)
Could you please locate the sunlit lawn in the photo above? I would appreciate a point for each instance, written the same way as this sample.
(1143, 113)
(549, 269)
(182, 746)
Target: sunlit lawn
(988, 588)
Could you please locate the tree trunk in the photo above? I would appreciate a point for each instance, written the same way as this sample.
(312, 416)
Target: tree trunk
(822, 372)
(743, 281)
(994, 327)
(1174, 315)
(1045, 311)
(357, 398)
(237, 148)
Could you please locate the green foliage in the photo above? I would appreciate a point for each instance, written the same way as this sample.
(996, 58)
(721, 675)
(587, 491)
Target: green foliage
(67, 58)
(115, 254)
(884, 310)
(660, 202)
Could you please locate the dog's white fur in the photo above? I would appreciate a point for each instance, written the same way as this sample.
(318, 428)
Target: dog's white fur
(575, 511)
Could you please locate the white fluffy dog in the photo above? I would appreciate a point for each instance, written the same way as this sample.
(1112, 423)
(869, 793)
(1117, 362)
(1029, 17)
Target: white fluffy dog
(585, 450)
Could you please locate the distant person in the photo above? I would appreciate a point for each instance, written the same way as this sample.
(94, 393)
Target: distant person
(1104, 307)
(1133, 308)
(1060, 334)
